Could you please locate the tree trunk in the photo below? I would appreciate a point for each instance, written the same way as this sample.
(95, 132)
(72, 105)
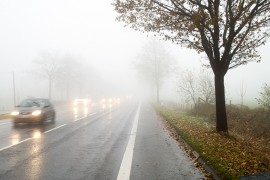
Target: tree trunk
(221, 116)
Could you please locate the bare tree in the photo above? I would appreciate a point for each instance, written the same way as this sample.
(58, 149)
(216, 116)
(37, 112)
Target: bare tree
(227, 31)
(206, 87)
(242, 94)
(48, 67)
(69, 73)
(189, 87)
(197, 86)
(155, 64)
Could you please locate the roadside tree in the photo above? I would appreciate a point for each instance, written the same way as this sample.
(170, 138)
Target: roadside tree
(242, 94)
(206, 87)
(47, 67)
(188, 87)
(197, 87)
(264, 99)
(154, 64)
(69, 74)
(227, 31)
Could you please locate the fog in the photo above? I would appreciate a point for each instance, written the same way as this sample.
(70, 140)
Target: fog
(105, 49)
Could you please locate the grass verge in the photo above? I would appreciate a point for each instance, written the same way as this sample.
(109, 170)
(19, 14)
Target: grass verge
(229, 156)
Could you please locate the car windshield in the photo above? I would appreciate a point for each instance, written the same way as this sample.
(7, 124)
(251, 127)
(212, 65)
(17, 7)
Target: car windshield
(31, 103)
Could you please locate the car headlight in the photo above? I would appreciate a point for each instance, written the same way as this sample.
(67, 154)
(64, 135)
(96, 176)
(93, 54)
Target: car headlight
(15, 113)
(36, 112)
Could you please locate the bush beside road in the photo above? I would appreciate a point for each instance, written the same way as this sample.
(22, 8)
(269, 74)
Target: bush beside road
(228, 155)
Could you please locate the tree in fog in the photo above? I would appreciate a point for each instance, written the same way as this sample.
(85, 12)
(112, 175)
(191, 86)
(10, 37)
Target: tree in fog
(227, 31)
(188, 87)
(47, 67)
(196, 87)
(206, 87)
(69, 73)
(154, 64)
(242, 94)
(264, 99)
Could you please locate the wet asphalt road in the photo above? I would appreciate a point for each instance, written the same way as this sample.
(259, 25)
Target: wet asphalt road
(126, 141)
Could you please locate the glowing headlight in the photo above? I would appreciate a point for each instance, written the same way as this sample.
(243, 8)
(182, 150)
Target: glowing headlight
(36, 112)
(15, 113)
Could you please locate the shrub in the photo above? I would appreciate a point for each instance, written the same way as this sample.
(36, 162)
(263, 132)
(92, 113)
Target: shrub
(264, 100)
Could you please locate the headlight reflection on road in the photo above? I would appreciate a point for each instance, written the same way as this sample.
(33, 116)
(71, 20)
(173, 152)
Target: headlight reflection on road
(75, 109)
(85, 111)
(15, 139)
(80, 112)
(35, 166)
(36, 134)
(103, 106)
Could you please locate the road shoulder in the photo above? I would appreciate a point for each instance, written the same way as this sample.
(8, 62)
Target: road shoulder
(156, 154)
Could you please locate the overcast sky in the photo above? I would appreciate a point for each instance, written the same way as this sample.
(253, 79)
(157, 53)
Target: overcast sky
(88, 29)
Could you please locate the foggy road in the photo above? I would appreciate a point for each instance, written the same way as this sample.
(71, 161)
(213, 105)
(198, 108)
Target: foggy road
(126, 141)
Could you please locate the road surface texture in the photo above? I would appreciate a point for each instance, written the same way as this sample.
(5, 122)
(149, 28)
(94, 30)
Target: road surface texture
(125, 141)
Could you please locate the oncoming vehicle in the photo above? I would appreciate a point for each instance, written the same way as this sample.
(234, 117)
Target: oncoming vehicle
(81, 102)
(109, 102)
(34, 110)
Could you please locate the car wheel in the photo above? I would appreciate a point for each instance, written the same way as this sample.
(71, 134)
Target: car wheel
(53, 118)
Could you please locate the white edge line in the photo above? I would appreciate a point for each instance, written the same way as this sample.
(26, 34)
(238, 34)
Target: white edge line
(125, 168)
(55, 128)
(15, 144)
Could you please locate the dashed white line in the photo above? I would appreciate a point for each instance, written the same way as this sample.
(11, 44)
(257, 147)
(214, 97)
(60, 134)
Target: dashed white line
(44, 132)
(15, 144)
(4, 123)
(55, 128)
(30, 138)
(85, 116)
(93, 114)
(79, 118)
(125, 168)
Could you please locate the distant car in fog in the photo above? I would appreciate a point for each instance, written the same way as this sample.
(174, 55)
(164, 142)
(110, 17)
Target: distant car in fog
(109, 102)
(33, 110)
(82, 102)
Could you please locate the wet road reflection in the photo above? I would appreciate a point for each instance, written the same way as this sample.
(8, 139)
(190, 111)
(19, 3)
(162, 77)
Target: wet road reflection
(80, 112)
(36, 134)
(34, 167)
(15, 138)
(11, 136)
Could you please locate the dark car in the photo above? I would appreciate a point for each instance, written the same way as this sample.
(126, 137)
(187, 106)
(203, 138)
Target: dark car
(34, 110)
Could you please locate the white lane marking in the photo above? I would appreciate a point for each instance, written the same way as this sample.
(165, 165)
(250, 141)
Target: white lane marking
(4, 123)
(93, 114)
(54, 128)
(80, 118)
(30, 138)
(85, 116)
(15, 144)
(125, 168)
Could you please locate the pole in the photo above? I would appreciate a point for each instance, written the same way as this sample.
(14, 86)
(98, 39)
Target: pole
(14, 93)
